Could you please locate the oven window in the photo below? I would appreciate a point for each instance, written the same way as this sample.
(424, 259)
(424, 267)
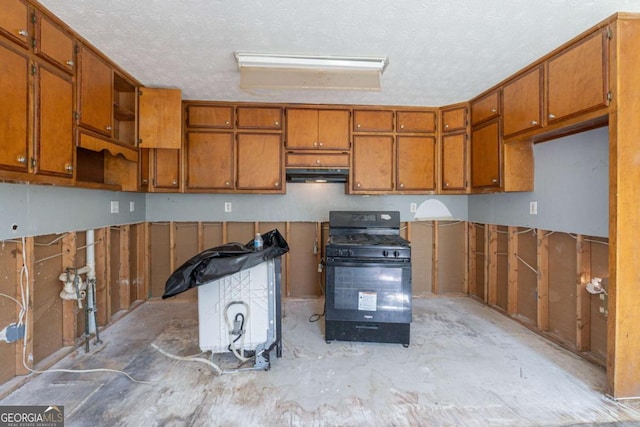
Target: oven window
(369, 289)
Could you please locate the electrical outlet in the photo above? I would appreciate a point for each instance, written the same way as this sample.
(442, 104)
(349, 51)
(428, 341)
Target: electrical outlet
(533, 208)
(115, 206)
(227, 206)
(132, 206)
(413, 207)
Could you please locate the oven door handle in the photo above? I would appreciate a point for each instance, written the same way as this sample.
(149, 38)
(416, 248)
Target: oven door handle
(367, 262)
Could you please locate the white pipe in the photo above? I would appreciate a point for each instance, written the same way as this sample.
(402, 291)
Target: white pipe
(91, 278)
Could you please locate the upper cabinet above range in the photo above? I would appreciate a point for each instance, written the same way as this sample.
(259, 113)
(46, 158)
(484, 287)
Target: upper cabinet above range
(317, 129)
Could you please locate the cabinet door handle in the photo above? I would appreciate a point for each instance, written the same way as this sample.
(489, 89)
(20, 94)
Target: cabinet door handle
(23, 33)
(145, 181)
(21, 159)
(402, 126)
(534, 122)
(358, 185)
(446, 185)
(276, 123)
(552, 116)
(358, 125)
(69, 168)
(226, 123)
(494, 180)
(70, 63)
(493, 110)
(446, 126)
(401, 185)
(320, 144)
(277, 184)
(227, 183)
(174, 182)
(318, 161)
(315, 144)
(108, 127)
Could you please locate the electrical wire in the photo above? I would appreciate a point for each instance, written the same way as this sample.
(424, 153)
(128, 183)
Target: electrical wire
(215, 367)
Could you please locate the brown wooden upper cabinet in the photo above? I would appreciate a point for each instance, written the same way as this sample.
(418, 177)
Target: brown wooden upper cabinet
(14, 109)
(317, 129)
(485, 108)
(372, 164)
(454, 119)
(577, 78)
(454, 162)
(416, 121)
(95, 93)
(259, 162)
(53, 43)
(14, 22)
(372, 121)
(209, 160)
(259, 118)
(415, 164)
(522, 103)
(209, 116)
(486, 156)
(166, 169)
(160, 118)
(125, 97)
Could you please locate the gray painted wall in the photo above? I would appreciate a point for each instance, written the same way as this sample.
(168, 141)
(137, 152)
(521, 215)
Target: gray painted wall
(571, 188)
(43, 209)
(571, 182)
(303, 202)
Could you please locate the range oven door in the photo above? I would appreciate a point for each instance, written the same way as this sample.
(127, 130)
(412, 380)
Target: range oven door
(368, 290)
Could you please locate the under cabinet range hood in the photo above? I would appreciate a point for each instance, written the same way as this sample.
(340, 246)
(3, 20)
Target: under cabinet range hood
(317, 175)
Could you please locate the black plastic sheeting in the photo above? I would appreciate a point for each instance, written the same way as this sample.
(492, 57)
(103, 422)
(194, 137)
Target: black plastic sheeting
(221, 261)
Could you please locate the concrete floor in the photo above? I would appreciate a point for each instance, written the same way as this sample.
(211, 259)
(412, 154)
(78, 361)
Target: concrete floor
(467, 366)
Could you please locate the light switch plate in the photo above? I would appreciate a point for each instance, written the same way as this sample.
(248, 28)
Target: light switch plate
(115, 206)
(533, 208)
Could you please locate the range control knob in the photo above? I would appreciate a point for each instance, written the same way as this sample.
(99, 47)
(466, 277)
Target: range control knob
(385, 253)
(396, 254)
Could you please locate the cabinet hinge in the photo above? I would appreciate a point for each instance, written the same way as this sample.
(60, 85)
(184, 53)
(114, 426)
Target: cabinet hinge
(609, 33)
(609, 96)
(34, 70)
(33, 162)
(139, 141)
(76, 49)
(34, 18)
(76, 115)
(140, 93)
(33, 42)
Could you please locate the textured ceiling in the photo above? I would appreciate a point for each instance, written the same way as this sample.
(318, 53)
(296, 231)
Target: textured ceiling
(440, 51)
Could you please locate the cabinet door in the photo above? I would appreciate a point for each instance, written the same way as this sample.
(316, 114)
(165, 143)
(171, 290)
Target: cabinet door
(54, 44)
(318, 160)
(166, 169)
(485, 155)
(578, 78)
(54, 124)
(95, 93)
(416, 121)
(259, 162)
(14, 110)
(522, 103)
(143, 169)
(485, 108)
(454, 119)
(302, 129)
(372, 163)
(209, 116)
(14, 21)
(416, 167)
(160, 118)
(454, 162)
(333, 129)
(372, 121)
(259, 118)
(209, 160)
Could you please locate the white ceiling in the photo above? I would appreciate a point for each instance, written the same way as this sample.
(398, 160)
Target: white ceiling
(440, 51)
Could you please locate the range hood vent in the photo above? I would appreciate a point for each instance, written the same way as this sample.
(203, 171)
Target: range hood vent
(317, 175)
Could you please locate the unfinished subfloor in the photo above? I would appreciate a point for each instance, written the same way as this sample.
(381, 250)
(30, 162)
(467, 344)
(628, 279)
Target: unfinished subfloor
(467, 366)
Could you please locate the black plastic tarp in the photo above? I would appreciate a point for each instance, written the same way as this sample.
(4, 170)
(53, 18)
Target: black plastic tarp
(221, 261)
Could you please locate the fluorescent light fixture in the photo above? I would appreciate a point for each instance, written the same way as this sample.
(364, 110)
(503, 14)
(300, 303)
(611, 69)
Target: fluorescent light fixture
(431, 210)
(278, 71)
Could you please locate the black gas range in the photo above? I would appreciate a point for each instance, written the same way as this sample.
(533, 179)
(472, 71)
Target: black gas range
(368, 278)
